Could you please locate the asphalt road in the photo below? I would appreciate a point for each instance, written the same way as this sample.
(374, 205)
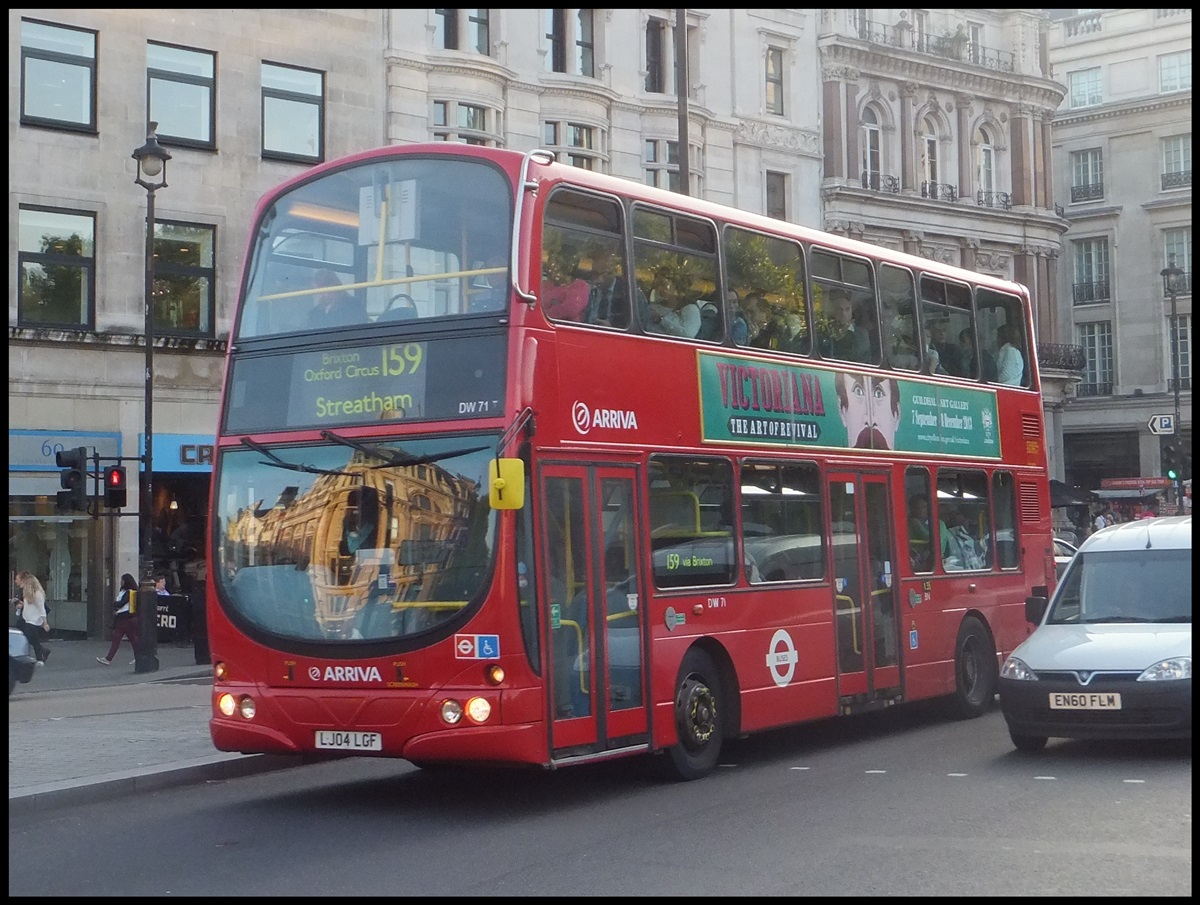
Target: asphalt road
(903, 803)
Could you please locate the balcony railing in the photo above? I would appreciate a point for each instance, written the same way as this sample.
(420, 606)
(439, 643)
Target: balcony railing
(1093, 191)
(994, 199)
(1094, 389)
(1177, 180)
(939, 191)
(1086, 293)
(949, 47)
(880, 182)
(1061, 356)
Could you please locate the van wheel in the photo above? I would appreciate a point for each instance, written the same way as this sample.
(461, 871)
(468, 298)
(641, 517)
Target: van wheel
(699, 718)
(1028, 743)
(975, 672)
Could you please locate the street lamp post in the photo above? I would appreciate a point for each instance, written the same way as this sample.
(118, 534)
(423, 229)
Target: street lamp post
(1171, 275)
(151, 175)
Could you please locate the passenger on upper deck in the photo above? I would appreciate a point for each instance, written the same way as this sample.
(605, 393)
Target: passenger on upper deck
(847, 340)
(336, 308)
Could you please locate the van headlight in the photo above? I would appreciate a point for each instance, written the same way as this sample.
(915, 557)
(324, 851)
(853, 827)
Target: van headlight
(1170, 670)
(1016, 669)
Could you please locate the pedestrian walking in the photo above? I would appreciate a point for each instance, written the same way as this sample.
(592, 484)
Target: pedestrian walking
(31, 613)
(124, 619)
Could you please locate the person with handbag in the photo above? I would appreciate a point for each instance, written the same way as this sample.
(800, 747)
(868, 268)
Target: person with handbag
(32, 619)
(124, 619)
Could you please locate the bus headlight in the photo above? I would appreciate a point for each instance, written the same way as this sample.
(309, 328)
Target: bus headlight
(227, 704)
(246, 707)
(451, 712)
(479, 709)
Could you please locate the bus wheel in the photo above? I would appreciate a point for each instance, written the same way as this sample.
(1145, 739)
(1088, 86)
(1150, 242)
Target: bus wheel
(1028, 743)
(975, 673)
(698, 718)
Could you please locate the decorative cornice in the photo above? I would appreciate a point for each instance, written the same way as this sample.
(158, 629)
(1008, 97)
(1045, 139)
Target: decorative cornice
(774, 136)
(1112, 111)
(40, 336)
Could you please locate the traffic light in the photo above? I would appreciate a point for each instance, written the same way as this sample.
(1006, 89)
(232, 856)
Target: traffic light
(115, 495)
(1169, 460)
(73, 479)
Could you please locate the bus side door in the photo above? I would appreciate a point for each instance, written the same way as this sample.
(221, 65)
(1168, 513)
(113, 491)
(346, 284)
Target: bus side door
(592, 591)
(865, 588)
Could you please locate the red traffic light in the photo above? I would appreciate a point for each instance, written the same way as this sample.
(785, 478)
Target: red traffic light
(115, 495)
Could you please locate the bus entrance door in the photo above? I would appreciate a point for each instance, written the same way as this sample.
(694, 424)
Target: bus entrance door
(865, 590)
(594, 619)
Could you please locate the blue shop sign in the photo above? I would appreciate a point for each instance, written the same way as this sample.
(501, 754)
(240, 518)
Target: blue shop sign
(191, 453)
(33, 450)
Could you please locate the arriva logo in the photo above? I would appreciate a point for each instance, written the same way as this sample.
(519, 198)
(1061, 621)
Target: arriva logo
(585, 419)
(345, 674)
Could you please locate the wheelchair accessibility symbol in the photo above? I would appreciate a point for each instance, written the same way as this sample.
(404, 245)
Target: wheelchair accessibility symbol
(782, 658)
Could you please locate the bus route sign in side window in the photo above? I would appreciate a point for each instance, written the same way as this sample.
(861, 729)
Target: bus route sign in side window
(435, 379)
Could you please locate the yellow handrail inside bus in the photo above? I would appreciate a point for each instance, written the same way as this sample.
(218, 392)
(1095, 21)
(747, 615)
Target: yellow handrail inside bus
(394, 281)
(579, 646)
(852, 609)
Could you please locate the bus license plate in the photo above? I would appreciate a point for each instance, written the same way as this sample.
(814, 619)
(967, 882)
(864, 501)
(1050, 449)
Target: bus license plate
(349, 741)
(1089, 700)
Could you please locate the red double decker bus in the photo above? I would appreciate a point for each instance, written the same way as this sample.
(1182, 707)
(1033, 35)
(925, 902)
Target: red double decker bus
(519, 463)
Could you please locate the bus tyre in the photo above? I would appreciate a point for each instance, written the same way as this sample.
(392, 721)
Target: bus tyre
(1030, 744)
(699, 713)
(975, 671)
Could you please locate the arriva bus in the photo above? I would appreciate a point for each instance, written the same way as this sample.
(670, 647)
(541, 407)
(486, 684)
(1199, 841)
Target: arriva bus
(523, 464)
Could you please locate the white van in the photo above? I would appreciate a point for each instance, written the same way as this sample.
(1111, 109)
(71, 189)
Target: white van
(1111, 656)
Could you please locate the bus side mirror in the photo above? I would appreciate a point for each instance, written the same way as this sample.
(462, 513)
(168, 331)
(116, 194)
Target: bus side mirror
(1035, 608)
(506, 487)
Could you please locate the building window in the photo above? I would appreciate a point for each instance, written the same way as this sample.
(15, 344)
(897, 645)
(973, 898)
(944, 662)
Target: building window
(929, 152)
(656, 76)
(1084, 87)
(662, 165)
(1177, 161)
(777, 193)
(775, 81)
(985, 162)
(1091, 271)
(1096, 340)
(293, 113)
(58, 76)
(470, 124)
(1175, 72)
(570, 29)
(574, 143)
(181, 92)
(1181, 343)
(872, 140)
(975, 50)
(184, 277)
(449, 24)
(1087, 175)
(1177, 248)
(56, 255)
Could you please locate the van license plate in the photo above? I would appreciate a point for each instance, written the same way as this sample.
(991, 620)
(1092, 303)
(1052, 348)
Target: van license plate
(1088, 700)
(349, 741)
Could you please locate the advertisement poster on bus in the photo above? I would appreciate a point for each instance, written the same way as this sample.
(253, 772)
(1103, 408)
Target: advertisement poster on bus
(790, 405)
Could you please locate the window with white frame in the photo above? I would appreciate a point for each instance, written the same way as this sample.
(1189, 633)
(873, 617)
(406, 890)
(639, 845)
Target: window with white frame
(1181, 343)
(929, 151)
(577, 144)
(56, 258)
(470, 124)
(656, 61)
(570, 42)
(181, 93)
(661, 165)
(293, 113)
(1096, 340)
(1084, 87)
(450, 25)
(1175, 72)
(774, 81)
(1091, 271)
(58, 76)
(985, 161)
(872, 148)
(1177, 161)
(1087, 175)
(920, 21)
(777, 195)
(184, 277)
(975, 48)
(1177, 250)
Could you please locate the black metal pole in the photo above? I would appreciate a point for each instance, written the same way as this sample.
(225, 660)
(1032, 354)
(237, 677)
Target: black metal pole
(146, 659)
(681, 92)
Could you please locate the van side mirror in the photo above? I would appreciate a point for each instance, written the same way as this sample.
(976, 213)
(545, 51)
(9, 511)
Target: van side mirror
(506, 484)
(1035, 608)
